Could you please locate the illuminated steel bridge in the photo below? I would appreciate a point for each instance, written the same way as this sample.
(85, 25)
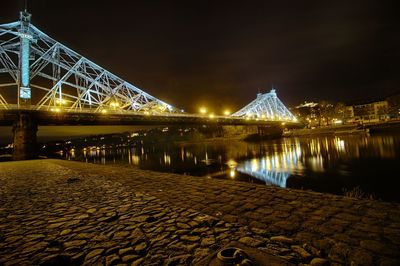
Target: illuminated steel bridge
(39, 73)
(44, 82)
(266, 106)
(62, 78)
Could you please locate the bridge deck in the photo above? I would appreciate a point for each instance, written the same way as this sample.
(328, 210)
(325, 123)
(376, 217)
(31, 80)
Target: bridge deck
(7, 117)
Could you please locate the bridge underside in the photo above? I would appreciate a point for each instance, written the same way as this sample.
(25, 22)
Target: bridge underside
(25, 124)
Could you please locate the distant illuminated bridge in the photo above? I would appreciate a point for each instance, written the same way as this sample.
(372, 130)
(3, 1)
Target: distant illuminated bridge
(44, 82)
(266, 106)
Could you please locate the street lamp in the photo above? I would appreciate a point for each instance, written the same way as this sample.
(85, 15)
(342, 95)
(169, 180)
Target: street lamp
(203, 110)
(227, 112)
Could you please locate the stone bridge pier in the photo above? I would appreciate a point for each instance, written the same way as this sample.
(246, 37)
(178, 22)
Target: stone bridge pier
(25, 129)
(270, 131)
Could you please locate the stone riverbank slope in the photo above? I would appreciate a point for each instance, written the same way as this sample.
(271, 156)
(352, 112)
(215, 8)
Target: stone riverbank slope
(55, 212)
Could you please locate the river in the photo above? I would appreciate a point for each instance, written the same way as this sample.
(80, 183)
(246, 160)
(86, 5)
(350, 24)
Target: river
(367, 165)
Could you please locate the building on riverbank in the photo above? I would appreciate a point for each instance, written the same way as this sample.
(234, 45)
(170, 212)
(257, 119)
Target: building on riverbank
(394, 105)
(368, 112)
(322, 114)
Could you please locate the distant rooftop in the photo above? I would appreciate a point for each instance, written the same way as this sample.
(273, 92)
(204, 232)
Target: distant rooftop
(306, 104)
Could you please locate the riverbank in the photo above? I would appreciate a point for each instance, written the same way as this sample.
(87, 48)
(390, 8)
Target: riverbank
(64, 212)
(332, 130)
(380, 128)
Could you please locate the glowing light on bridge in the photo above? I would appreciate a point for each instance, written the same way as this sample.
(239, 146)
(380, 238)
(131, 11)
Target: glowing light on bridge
(114, 104)
(203, 110)
(61, 101)
(57, 110)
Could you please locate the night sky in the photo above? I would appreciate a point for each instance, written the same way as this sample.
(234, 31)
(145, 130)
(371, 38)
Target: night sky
(221, 53)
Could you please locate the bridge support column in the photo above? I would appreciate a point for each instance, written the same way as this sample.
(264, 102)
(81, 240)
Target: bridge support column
(24, 137)
(270, 132)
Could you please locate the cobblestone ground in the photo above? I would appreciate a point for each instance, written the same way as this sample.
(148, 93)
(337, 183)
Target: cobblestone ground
(64, 213)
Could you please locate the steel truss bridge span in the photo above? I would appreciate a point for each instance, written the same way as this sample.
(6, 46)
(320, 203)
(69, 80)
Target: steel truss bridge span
(39, 73)
(61, 77)
(43, 82)
(266, 106)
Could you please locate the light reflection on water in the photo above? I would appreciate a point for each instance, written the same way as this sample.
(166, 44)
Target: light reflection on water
(320, 163)
(275, 168)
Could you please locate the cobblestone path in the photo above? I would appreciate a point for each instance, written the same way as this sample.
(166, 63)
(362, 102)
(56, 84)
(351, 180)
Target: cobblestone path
(56, 212)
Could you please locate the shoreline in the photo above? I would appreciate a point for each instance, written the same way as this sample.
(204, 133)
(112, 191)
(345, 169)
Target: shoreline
(88, 214)
(381, 128)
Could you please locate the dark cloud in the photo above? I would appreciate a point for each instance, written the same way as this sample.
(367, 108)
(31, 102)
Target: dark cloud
(220, 53)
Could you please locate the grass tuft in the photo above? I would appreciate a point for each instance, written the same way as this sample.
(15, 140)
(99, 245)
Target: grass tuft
(357, 193)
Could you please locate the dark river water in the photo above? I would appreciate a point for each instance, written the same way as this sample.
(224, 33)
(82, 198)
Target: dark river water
(368, 164)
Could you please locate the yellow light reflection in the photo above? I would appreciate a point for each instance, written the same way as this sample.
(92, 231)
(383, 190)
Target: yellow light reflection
(232, 173)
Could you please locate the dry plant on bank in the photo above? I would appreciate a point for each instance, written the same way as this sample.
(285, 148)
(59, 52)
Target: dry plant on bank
(357, 193)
